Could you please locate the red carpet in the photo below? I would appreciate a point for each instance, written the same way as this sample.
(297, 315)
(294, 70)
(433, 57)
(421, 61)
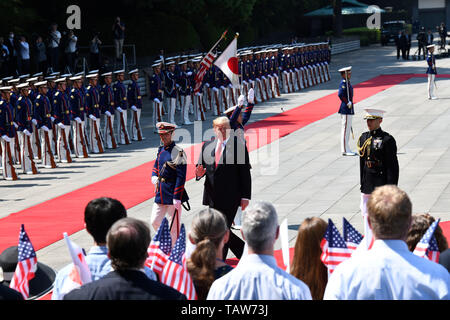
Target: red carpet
(46, 222)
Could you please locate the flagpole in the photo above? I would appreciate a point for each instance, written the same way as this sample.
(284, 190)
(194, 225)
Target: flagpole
(221, 38)
(241, 86)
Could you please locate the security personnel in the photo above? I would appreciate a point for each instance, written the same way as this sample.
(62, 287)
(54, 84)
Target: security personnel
(62, 114)
(108, 110)
(77, 108)
(23, 119)
(169, 177)
(346, 110)
(94, 113)
(44, 124)
(121, 104)
(156, 94)
(378, 163)
(431, 72)
(135, 102)
(170, 90)
(7, 134)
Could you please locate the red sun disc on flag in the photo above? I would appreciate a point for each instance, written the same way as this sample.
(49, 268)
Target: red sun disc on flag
(233, 65)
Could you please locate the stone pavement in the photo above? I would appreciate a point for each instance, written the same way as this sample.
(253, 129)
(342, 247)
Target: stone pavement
(303, 174)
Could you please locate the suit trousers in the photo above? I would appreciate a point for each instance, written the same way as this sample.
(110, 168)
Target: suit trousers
(235, 244)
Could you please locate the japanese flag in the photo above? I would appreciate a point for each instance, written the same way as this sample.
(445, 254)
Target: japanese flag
(228, 63)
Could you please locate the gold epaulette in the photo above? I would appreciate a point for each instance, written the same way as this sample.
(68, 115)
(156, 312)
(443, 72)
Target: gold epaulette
(362, 150)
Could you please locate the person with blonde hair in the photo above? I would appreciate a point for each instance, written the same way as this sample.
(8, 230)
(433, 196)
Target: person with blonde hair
(209, 233)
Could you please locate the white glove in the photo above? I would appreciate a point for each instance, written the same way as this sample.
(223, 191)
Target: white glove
(198, 94)
(349, 105)
(34, 121)
(134, 108)
(119, 109)
(207, 84)
(61, 125)
(154, 180)
(53, 119)
(177, 204)
(251, 96)
(177, 85)
(244, 82)
(156, 100)
(6, 138)
(108, 113)
(15, 125)
(189, 74)
(28, 133)
(45, 128)
(222, 87)
(215, 89)
(241, 100)
(92, 117)
(77, 119)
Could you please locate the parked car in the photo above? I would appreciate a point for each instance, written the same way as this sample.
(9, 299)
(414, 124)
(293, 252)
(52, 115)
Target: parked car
(390, 30)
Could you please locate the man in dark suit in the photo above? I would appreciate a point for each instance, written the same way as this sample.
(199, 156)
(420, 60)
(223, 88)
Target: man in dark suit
(225, 163)
(408, 44)
(127, 241)
(398, 44)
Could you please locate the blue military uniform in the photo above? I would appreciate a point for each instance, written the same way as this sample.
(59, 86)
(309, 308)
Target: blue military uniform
(121, 101)
(43, 117)
(77, 108)
(342, 93)
(7, 129)
(107, 108)
(346, 110)
(135, 102)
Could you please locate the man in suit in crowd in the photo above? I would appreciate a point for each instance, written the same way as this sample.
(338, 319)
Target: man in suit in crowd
(225, 163)
(127, 242)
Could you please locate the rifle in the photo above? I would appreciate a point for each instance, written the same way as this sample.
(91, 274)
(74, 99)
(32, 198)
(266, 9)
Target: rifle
(298, 80)
(49, 149)
(37, 142)
(209, 97)
(111, 132)
(17, 147)
(30, 154)
(175, 217)
(64, 138)
(158, 111)
(225, 102)
(138, 127)
(291, 81)
(217, 102)
(277, 86)
(265, 88)
(8, 153)
(80, 129)
(201, 108)
(97, 137)
(348, 99)
(260, 90)
(122, 125)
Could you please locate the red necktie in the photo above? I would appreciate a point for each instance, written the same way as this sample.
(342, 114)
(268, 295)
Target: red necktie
(218, 153)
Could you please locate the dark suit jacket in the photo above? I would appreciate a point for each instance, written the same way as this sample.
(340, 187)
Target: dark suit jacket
(9, 294)
(125, 285)
(231, 181)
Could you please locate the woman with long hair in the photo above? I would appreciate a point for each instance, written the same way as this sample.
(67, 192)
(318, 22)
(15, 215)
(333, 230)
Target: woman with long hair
(209, 233)
(306, 264)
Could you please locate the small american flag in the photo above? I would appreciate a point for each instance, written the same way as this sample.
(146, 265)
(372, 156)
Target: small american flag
(427, 246)
(204, 66)
(334, 249)
(159, 249)
(175, 273)
(351, 236)
(26, 265)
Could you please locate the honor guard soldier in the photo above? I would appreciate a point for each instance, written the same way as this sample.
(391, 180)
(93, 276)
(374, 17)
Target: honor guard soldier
(63, 116)
(77, 106)
(93, 110)
(14, 93)
(108, 109)
(44, 124)
(24, 131)
(8, 134)
(199, 104)
(35, 140)
(169, 177)
(346, 110)
(170, 90)
(378, 163)
(431, 72)
(135, 101)
(121, 104)
(185, 91)
(156, 94)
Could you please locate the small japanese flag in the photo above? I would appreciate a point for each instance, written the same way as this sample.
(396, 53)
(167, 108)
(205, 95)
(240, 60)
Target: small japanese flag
(228, 63)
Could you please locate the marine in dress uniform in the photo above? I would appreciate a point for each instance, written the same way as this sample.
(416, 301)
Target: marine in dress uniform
(199, 105)
(77, 106)
(63, 117)
(7, 133)
(431, 72)
(121, 105)
(108, 110)
(170, 90)
(35, 139)
(156, 91)
(135, 101)
(378, 163)
(346, 110)
(94, 114)
(23, 119)
(44, 124)
(169, 178)
(185, 90)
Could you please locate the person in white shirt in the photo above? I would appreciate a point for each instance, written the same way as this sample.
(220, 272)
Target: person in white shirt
(70, 51)
(24, 55)
(388, 271)
(54, 41)
(257, 276)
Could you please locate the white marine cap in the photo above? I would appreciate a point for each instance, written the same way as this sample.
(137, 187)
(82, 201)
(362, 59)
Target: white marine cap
(23, 85)
(430, 46)
(92, 75)
(156, 64)
(170, 63)
(76, 78)
(38, 74)
(60, 80)
(93, 71)
(119, 71)
(40, 83)
(373, 114)
(182, 62)
(133, 71)
(106, 74)
(13, 81)
(345, 69)
(24, 76)
(6, 88)
(34, 79)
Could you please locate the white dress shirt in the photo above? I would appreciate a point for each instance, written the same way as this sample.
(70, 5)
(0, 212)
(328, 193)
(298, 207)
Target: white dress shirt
(257, 277)
(389, 271)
